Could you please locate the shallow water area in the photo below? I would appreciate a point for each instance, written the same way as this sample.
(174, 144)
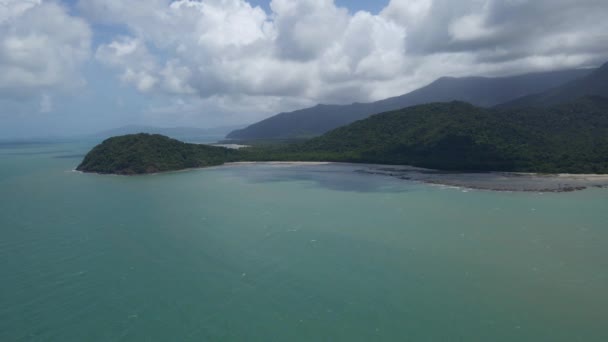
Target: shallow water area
(291, 252)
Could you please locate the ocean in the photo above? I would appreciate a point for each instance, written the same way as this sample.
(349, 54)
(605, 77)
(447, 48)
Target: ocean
(272, 252)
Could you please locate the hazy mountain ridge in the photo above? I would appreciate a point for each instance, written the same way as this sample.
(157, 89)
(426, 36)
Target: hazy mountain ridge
(595, 83)
(480, 91)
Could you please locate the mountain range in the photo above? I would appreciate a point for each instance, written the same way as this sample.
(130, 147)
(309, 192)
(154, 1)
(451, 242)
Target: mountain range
(595, 83)
(563, 129)
(568, 138)
(456, 136)
(479, 91)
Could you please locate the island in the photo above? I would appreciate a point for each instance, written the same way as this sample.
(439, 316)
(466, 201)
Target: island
(452, 136)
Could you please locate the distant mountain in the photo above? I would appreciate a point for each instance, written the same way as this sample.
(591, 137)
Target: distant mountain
(596, 83)
(184, 133)
(480, 91)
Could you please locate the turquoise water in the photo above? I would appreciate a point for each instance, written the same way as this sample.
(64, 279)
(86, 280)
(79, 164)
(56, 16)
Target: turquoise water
(276, 253)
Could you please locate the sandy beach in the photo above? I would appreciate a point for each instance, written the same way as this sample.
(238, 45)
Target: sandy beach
(280, 163)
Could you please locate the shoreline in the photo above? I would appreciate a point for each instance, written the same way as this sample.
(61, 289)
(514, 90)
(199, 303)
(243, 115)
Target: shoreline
(285, 163)
(486, 181)
(498, 180)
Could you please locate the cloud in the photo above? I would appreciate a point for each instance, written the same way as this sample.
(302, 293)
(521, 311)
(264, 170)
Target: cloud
(311, 50)
(42, 48)
(408, 12)
(218, 110)
(224, 53)
(307, 28)
(131, 55)
(499, 30)
(46, 103)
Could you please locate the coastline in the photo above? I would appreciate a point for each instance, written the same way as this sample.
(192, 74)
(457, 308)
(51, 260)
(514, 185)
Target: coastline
(284, 163)
(498, 181)
(487, 181)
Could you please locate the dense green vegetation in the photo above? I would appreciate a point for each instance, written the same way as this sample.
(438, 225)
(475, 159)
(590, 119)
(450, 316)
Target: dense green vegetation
(570, 138)
(458, 136)
(479, 91)
(150, 153)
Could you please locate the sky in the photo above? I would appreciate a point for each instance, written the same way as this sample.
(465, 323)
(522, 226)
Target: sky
(81, 66)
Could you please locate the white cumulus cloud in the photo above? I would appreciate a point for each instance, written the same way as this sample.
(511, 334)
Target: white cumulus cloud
(303, 52)
(310, 50)
(42, 48)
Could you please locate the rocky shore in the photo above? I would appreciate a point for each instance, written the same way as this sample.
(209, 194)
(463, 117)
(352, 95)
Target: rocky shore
(495, 181)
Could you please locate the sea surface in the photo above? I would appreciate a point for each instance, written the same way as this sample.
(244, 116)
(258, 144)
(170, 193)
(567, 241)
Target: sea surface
(290, 253)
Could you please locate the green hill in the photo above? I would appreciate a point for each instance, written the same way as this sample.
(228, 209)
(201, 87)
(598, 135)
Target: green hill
(458, 136)
(150, 153)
